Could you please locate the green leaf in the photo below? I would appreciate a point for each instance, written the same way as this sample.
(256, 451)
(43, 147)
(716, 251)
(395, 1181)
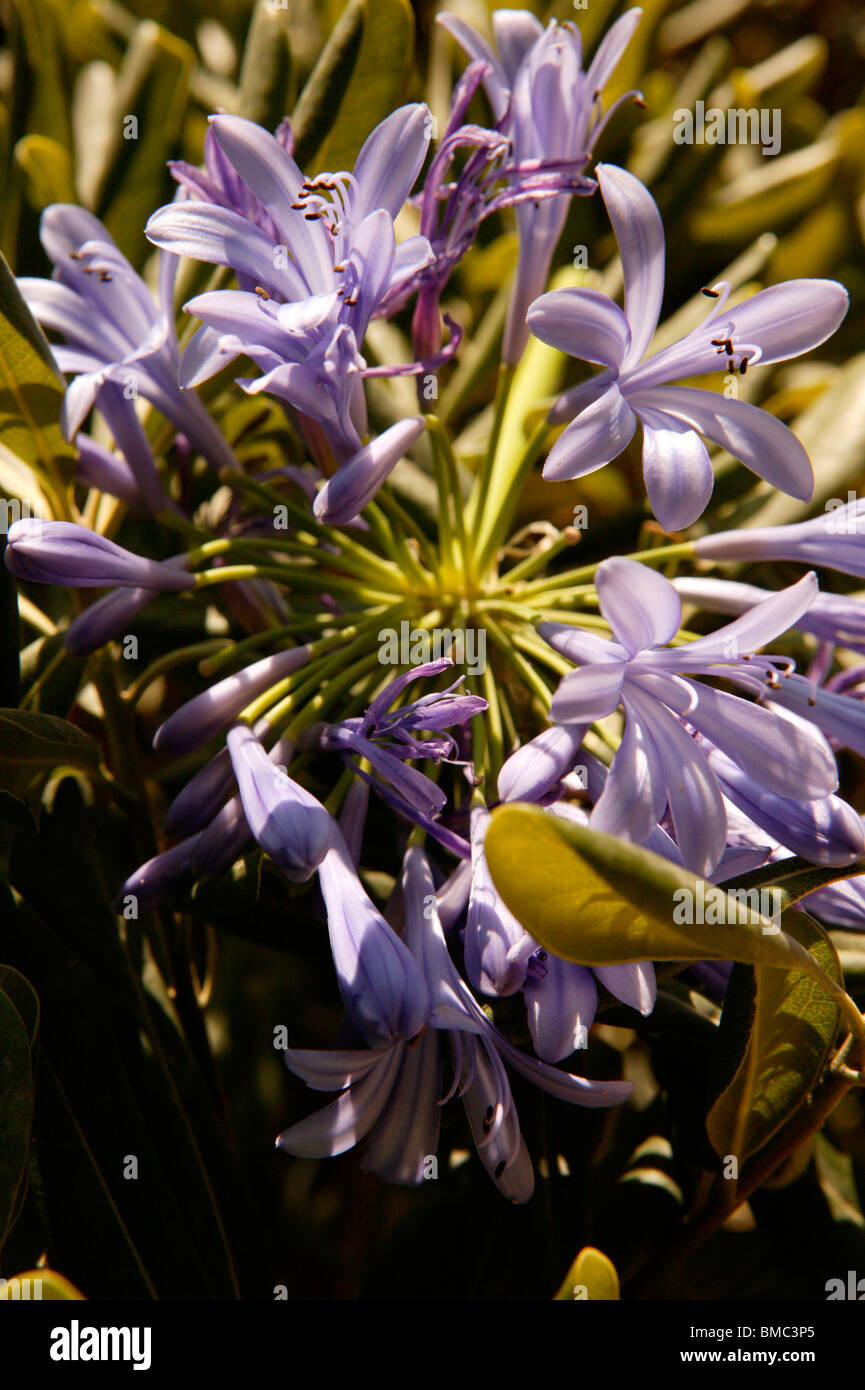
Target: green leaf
(265, 73)
(32, 743)
(19, 1015)
(777, 1029)
(793, 878)
(598, 900)
(48, 166)
(318, 103)
(149, 108)
(358, 80)
(31, 388)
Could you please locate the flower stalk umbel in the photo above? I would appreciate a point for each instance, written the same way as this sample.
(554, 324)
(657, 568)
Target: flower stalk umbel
(437, 657)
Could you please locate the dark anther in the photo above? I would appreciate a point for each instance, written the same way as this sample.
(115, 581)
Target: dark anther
(638, 101)
(339, 268)
(743, 366)
(104, 277)
(711, 294)
(261, 292)
(76, 255)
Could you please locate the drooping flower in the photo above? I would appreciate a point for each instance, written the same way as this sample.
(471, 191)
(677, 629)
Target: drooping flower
(389, 739)
(391, 1092)
(453, 204)
(318, 276)
(775, 324)
(659, 764)
(289, 823)
(119, 341)
(550, 109)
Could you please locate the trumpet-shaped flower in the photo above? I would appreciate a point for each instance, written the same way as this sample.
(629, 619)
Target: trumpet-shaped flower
(319, 272)
(550, 110)
(659, 765)
(777, 323)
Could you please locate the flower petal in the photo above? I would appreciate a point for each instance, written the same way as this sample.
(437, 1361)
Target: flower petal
(676, 469)
(762, 442)
(390, 160)
(597, 435)
(589, 693)
(641, 606)
(584, 323)
(640, 237)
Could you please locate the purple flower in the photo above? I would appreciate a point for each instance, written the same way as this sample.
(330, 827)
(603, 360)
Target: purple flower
(388, 739)
(453, 204)
(835, 618)
(382, 987)
(116, 336)
(834, 540)
(550, 109)
(391, 1093)
(62, 552)
(196, 722)
(659, 764)
(777, 323)
(288, 822)
(355, 484)
(318, 276)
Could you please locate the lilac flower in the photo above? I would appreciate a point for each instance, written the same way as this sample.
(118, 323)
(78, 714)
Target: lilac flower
(355, 484)
(138, 486)
(61, 552)
(834, 540)
(777, 323)
(391, 1093)
(220, 183)
(115, 334)
(319, 275)
(196, 722)
(388, 738)
(451, 212)
(659, 765)
(550, 110)
(835, 618)
(288, 822)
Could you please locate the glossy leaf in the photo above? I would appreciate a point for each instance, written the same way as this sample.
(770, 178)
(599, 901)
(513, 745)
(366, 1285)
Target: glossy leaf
(31, 388)
(780, 1025)
(598, 900)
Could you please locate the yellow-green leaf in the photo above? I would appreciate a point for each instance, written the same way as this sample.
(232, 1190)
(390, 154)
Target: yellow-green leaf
(31, 388)
(592, 1277)
(592, 898)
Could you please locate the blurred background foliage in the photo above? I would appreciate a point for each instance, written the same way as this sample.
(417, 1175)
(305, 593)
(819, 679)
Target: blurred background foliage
(154, 1040)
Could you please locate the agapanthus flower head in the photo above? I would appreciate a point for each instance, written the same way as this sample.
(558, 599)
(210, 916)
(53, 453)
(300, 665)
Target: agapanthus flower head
(659, 765)
(775, 324)
(319, 273)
